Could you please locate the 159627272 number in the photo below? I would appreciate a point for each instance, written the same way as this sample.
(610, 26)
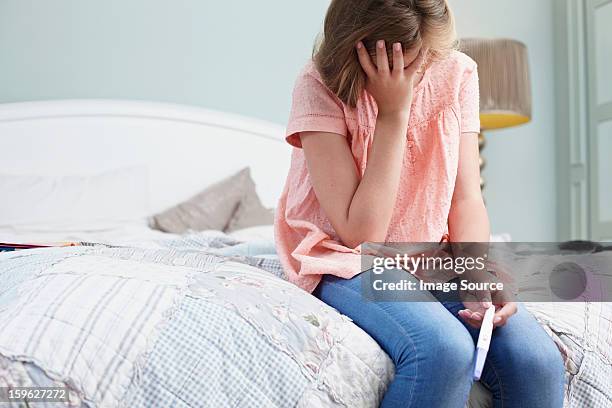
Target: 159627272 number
(34, 394)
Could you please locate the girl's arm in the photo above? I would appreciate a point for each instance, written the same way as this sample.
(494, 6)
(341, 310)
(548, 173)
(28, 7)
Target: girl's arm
(468, 220)
(360, 208)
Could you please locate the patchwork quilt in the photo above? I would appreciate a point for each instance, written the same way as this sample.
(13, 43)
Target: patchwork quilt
(128, 327)
(207, 321)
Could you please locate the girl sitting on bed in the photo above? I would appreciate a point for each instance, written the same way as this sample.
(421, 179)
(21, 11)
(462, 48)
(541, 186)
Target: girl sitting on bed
(385, 123)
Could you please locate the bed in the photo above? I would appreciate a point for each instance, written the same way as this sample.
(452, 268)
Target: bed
(138, 317)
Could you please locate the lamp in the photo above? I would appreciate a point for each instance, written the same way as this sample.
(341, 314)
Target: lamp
(505, 87)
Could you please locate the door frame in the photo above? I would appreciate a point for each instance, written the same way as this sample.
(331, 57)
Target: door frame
(572, 125)
(598, 113)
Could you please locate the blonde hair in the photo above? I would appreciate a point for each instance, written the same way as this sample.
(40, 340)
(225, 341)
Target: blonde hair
(413, 23)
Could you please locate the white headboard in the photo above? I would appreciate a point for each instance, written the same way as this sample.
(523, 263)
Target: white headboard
(185, 148)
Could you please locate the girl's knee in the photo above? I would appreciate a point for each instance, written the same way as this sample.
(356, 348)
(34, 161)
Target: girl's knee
(452, 353)
(542, 359)
(528, 348)
(546, 360)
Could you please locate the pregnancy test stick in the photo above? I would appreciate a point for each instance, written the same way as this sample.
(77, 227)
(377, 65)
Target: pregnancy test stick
(484, 340)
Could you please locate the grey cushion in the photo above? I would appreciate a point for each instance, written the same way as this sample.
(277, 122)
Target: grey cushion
(250, 213)
(227, 205)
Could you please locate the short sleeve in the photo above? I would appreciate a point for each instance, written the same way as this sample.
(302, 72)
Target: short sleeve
(469, 101)
(314, 109)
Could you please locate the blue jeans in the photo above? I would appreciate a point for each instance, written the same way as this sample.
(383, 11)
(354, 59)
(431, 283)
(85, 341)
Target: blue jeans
(433, 351)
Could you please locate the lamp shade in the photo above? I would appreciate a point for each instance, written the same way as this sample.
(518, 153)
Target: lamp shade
(505, 87)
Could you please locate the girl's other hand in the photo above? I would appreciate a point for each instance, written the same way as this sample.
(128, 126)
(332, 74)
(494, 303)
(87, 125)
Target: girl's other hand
(474, 318)
(391, 88)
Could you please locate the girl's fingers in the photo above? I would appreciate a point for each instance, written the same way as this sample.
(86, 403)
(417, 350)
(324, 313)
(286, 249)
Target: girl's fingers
(398, 59)
(466, 314)
(484, 297)
(475, 323)
(417, 63)
(503, 314)
(365, 60)
(382, 59)
(477, 316)
(469, 318)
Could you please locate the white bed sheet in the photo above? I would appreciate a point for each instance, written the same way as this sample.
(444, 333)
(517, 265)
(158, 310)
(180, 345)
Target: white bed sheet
(130, 233)
(133, 233)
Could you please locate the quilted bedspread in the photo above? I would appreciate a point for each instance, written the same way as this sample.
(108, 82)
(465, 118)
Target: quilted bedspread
(161, 327)
(201, 322)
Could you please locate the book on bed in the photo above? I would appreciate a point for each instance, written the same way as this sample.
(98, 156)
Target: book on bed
(9, 246)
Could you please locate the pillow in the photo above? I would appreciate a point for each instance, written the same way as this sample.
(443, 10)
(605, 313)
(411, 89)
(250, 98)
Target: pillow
(250, 213)
(81, 201)
(227, 204)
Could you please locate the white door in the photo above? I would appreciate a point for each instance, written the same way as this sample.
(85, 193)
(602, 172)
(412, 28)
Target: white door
(599, 63)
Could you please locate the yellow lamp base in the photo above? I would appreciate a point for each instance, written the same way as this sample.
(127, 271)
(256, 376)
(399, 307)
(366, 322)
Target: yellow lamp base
(500, 120)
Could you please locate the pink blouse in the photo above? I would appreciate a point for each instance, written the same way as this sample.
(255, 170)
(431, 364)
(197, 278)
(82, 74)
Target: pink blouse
(445, 105)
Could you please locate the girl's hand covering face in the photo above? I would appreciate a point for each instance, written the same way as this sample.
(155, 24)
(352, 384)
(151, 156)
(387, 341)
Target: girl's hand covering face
(391, 88)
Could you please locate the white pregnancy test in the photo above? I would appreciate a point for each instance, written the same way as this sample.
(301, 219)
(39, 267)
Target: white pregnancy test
(484, 340)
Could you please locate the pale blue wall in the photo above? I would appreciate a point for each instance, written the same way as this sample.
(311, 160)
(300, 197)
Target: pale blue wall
(242, 56)
(239, 56)
(521, 189)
